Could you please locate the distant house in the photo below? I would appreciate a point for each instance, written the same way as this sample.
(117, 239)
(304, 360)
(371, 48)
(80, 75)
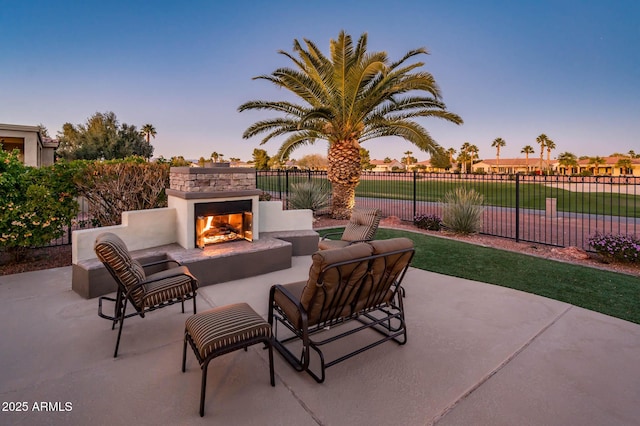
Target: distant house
(510, 165)
(610, 167)
(35, 150)
(381, 166)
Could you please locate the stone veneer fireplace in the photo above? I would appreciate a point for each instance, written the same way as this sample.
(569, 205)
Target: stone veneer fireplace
(213, 205)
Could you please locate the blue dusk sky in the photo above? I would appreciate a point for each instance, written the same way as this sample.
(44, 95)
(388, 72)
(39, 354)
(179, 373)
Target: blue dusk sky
(510, 69)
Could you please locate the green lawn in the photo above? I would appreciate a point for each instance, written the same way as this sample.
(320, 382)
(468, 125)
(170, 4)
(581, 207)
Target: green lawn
(610, 293)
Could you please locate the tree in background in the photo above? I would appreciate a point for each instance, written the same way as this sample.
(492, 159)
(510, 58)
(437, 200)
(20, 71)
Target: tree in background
(44, 132)
(463, 156)
(568, 160)
(349, 98)
(148, 132)
(441, 159)
(216, 156)
(313, 162)
(386, 160)
(625, 165)
(179, 161)
(260, 159)
(549, 145)
(451, 152)
(542, 140)
(497, 144)
(365, 159)
(526, 150)
(596, 162)
(101, 137)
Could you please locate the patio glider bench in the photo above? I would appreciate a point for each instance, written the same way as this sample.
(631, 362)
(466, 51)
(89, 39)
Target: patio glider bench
(357, 287)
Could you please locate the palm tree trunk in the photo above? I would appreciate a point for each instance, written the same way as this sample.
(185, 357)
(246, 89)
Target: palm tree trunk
(343, 172)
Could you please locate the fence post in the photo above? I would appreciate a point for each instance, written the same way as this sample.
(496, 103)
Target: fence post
(414, 196)
(517, 208)
(286, 184)
(279, 184)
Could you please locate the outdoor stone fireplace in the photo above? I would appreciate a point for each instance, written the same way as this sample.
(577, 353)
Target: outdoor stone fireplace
(206, 207)
(213, 205)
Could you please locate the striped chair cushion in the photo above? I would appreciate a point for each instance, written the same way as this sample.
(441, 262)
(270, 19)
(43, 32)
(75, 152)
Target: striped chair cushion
(218, 328)
(362, 225)
(112, 251)
(167, 285)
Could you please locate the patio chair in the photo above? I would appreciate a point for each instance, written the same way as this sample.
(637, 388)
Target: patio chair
(145, 292)
(362, 227)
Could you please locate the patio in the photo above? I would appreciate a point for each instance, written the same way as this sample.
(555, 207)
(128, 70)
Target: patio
(476, 354)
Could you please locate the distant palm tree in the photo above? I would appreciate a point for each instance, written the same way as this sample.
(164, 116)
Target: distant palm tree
(549, 145)
(464, 156)
(148, 131)
(542, 140)
(497, 144)
(568, 160)
(625, 165)
(528, 149)
(216, 156)
(596, 162)
(632, 153)
(347, 99)
(451, 152)
(408, 157)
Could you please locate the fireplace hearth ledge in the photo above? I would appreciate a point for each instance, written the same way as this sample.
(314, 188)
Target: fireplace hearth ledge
(212, 265)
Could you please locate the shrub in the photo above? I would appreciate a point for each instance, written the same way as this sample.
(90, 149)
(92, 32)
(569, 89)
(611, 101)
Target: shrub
(622, 248)
(462, 211)
(430, 222)
(264, 196)
(38, 204)
(117, 186)
(311, 194)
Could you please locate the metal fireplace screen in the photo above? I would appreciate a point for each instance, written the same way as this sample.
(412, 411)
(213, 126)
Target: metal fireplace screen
(224, 221)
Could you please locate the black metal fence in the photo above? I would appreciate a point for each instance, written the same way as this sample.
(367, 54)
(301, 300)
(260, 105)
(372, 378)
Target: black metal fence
(552, 210)
(82, 221)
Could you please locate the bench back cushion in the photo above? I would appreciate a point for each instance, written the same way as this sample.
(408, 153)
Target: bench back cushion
(362, 225)
(392, 257)
(327, 294)
(128, 272)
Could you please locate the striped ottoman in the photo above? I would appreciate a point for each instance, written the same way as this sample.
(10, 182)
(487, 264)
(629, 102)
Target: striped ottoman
(223, 330)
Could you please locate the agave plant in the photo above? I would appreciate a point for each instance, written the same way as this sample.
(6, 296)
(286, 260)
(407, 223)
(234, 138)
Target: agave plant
(462, 211)
(311, 194)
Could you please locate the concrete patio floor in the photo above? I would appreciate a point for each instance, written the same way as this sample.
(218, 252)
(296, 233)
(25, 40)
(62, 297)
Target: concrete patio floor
(477, 354)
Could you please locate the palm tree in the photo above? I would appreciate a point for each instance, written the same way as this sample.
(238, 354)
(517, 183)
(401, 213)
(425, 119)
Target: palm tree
(148, 131)
(596, 161)
(473, 154)
(451, 152)
(408, 157)
(542, 140)
(464, 156)
(632, 153)
(528, 149)
(568, 160)
(347, 99)
(497, 144)
(549, 145)
(216, 156)
(625, 165)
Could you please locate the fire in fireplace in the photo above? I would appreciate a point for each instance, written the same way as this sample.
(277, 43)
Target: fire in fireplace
(221, 222)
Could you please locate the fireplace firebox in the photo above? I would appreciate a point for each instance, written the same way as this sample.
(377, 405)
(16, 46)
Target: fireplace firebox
(224, 221)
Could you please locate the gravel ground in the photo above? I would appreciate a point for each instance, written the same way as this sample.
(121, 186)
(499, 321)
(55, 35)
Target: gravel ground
(54, 257)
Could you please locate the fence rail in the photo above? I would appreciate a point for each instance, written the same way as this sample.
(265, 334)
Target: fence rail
(552, 210)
